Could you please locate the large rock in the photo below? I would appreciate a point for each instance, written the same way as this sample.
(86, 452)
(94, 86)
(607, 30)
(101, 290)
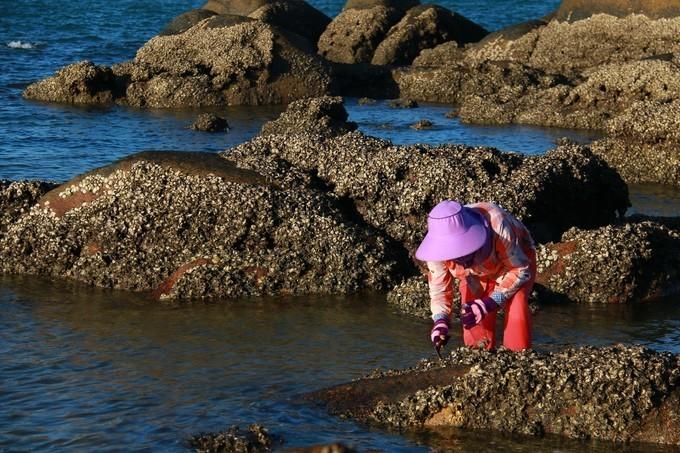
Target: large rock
(617, 393)
(185, 21)
(573, 10)
(325, 116)
(424, 27)
(394, 187)
(294, 15)
(354, 34)
(222, 60)
(192, 225)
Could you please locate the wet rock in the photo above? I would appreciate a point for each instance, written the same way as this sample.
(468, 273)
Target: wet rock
(17, 198)
(78, 83)
(185, 21)
(394, 187)
(354, 34)
(255, 440)
(612, 264)
(209, 122)
(222, 60)
(422, 125)
(325, 116)
(573, 10)
(615, 393)
(366, 101)
(451, 114)
(424, 27)
(442, 55)
(193, 225)
(403, 104)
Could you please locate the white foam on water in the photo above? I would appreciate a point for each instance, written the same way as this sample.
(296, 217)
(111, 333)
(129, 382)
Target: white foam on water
(20, 45)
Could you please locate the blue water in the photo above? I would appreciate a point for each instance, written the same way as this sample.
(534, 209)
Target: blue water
(83, 369)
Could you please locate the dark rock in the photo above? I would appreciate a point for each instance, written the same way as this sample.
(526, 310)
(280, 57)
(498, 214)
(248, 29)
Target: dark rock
(403, 104)
(325, 116)
(515, 31)
(194, 225)
(256, 440)
(615, 393)
(78, 83)
(424, 27)
(451, 114)
(422, 125)
(209, 122)
(235, 7)
(573, 10)
(354, 34)
(296, 16)
(331, 448)
(185, 21)
(401, 5)
(612, 264)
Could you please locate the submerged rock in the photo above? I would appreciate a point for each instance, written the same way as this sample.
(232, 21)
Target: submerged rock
(255, 440)
(193, 225)
(613, 393)
(209, 122)
(422, 124)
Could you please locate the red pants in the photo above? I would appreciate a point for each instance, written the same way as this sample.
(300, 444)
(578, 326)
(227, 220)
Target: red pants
(517, 325)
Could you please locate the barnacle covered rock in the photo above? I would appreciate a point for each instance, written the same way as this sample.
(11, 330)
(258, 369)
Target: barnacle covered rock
(612, 264)
(615, 393)
(17, 198)
(394, 187)
(192, 225)
(255, 440)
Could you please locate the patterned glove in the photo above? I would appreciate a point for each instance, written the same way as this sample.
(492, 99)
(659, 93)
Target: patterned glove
(440, 333)
(474, 311)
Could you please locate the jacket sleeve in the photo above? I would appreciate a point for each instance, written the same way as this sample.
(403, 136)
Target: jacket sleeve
(514, 260)
(440, 282)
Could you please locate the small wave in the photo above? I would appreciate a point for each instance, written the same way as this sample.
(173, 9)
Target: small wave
(21, 45)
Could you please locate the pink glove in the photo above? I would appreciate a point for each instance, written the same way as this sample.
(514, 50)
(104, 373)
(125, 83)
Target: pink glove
(440, 333)
(474, 311)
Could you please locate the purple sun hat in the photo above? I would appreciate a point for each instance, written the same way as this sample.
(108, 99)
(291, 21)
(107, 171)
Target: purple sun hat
(453, 231)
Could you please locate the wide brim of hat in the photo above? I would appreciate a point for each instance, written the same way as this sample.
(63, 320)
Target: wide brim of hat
(448, 247)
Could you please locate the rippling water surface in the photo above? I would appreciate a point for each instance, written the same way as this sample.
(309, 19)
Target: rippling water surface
(83, 368)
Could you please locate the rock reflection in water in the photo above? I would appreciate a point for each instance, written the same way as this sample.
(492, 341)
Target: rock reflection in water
(84, 367)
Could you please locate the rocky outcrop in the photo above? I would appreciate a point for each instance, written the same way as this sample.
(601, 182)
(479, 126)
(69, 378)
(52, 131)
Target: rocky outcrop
(613, 264)
(222, 60)
(255, 440)
(424, 27)
(573, 10)
(616, 393)
(192, 225)
(393, 187)
(443, 55)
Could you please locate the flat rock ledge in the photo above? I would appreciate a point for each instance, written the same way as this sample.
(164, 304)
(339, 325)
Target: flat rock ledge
(617, 393)
(193, 225)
